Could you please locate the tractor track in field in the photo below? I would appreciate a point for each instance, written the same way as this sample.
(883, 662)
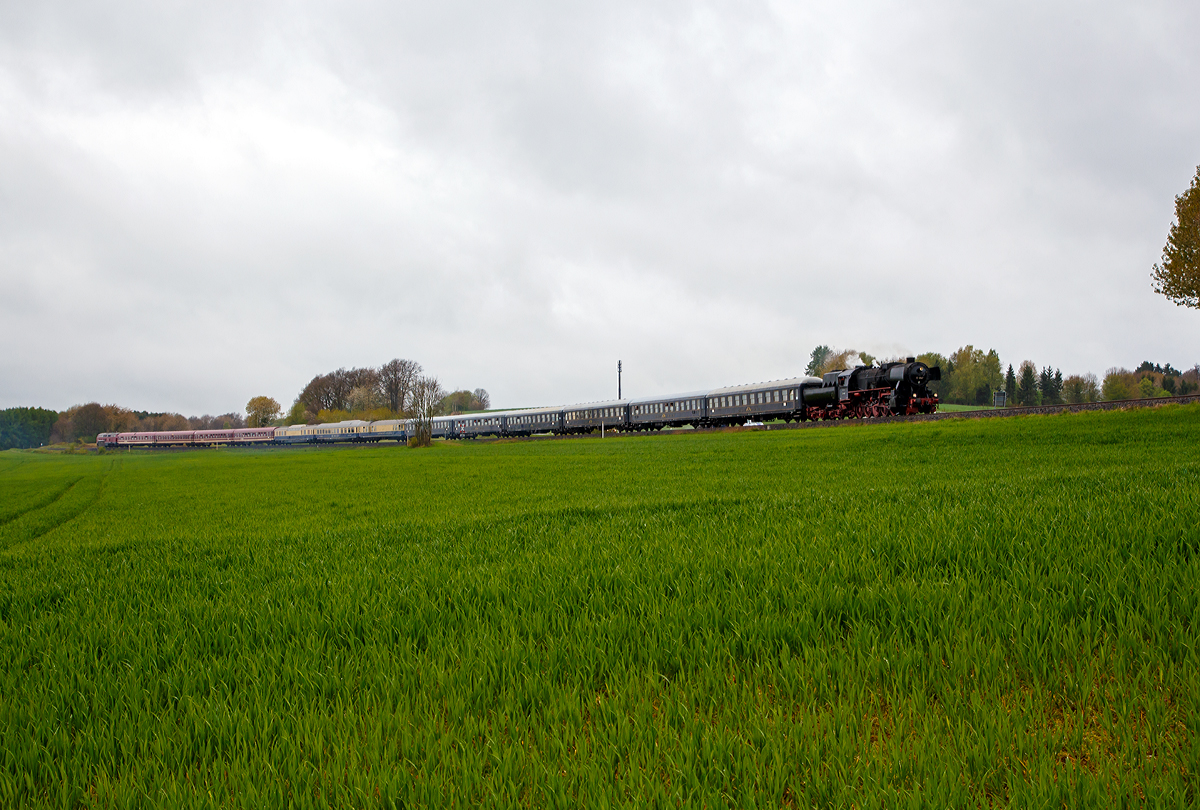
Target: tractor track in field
(68, 504)
(47, 499)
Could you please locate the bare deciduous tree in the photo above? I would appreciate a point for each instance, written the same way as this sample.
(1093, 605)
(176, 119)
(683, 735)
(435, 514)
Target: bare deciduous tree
(396, 379)
(482, 400)
(426, 396)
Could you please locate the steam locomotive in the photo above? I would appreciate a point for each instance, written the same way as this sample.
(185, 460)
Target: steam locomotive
(869, 391)
(863, 392)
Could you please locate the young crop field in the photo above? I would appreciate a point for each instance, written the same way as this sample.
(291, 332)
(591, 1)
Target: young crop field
(996, 612)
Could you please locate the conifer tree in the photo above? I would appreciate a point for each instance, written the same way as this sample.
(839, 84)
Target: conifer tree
(1027, 389)
(817, 360)
(1010, 387)
(1046, 385)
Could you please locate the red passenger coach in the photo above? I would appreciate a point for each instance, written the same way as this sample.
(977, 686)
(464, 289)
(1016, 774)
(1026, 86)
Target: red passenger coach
(213, 437)
(256, 435)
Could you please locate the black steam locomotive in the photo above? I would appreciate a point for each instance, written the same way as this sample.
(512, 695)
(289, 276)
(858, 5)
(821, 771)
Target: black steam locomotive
(900, 388)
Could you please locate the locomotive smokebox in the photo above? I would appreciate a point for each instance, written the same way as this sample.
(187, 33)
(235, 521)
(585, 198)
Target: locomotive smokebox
(917, 373)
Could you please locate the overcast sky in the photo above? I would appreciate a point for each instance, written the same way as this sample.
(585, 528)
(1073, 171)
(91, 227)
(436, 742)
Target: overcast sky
(203, 203)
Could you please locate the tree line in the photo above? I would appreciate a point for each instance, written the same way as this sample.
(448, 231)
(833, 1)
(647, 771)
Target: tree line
(34, 427)
(398, 389)
(971, 376)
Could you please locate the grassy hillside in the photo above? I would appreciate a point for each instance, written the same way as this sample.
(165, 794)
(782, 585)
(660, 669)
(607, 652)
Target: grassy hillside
(976, 613)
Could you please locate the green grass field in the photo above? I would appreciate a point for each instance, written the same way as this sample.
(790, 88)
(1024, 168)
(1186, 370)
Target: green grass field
(996, 612)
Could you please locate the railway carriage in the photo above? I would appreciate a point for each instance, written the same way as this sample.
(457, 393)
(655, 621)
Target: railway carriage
(212, 437)
(387, 429)
(445, 427)
(352, 430)
(470, 426)
(655, 413)
(780, 399)
(294, 434)
(176, 438)
(534, 420)
(136, 439)
(254, 435)
(596, 416)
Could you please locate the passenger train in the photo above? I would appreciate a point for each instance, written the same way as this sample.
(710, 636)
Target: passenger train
(889, 389)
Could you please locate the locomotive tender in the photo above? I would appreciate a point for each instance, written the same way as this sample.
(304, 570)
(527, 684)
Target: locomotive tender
(889, 389)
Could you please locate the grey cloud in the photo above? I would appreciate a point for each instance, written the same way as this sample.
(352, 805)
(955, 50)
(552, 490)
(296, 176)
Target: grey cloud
(201, 204)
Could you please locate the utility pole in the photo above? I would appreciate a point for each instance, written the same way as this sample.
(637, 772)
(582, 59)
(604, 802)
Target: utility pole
(618, 380)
